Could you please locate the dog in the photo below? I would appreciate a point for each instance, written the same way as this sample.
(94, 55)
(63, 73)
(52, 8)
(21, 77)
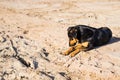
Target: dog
(84, 38)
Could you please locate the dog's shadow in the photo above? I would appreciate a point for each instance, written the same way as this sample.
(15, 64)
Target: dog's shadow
(113, 40)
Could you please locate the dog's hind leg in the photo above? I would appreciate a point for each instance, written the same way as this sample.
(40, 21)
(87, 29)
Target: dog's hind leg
(85, 44)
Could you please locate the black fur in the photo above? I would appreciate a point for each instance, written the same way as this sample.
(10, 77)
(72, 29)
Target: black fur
(95, 36)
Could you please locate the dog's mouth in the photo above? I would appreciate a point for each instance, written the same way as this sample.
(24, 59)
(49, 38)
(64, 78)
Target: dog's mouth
(73, 42)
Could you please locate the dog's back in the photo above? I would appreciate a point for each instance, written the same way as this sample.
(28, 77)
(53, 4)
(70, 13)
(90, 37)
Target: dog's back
(103, 36)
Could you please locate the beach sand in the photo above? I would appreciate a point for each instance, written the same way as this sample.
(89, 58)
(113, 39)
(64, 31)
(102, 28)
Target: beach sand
(33, 33)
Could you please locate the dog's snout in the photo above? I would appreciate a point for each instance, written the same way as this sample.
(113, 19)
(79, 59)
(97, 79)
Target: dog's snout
(72, 42)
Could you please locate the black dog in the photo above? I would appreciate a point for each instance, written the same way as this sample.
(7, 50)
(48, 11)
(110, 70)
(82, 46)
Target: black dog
(93, 36)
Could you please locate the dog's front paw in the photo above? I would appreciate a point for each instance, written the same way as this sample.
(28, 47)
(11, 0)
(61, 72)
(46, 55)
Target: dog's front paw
(67, 52)
(74, 53)
(64, 53)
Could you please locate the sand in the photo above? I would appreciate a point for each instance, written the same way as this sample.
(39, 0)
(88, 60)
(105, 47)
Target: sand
(33, 33)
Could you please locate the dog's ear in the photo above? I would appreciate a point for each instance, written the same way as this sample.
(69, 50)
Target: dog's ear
(69, 29)
(72, 28)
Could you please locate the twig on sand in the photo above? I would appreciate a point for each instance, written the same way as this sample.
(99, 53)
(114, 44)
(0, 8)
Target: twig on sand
(27, 64)
(65, 75)
(45, 52)
(44, 58)
(52, 77)
(14, 48)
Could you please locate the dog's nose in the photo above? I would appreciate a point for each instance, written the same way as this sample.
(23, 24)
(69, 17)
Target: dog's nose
(74, 44)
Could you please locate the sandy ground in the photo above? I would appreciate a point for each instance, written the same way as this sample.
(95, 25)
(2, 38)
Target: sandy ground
(33, 33)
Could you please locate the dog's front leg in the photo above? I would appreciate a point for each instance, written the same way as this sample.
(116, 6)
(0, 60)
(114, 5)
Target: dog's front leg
(67, 52)
(74, 52)
(78, 48)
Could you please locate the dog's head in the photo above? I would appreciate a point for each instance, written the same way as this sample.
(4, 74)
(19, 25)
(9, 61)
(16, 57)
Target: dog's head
(72, 34)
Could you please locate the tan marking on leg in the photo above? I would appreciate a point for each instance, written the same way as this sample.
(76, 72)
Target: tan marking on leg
(74, 52)
(67, 52)
(78, 48)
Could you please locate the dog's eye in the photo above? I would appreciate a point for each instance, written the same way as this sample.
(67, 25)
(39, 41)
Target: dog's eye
(71, 38)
